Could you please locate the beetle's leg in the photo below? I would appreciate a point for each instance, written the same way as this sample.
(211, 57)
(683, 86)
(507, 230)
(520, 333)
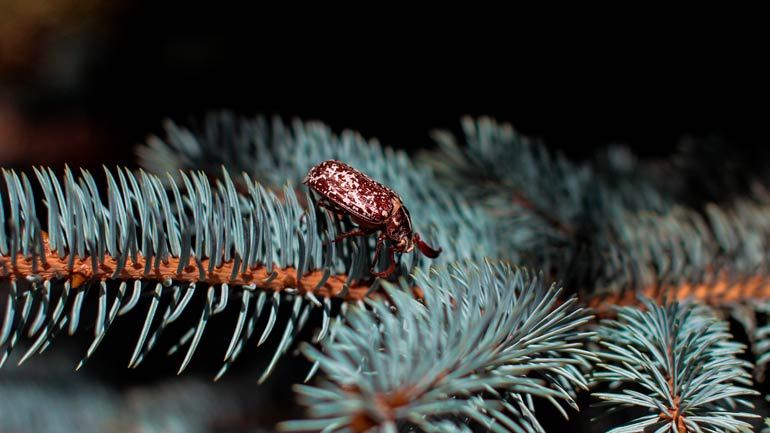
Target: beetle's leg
(426, 249)
(322, 202)
(391, 267)
(355, 232)
(329, 206)
(380, 241)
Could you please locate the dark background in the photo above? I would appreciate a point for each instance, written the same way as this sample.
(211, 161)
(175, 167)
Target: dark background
(100, 79)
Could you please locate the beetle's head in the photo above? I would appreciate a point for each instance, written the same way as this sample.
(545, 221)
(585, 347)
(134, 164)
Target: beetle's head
(399, 230)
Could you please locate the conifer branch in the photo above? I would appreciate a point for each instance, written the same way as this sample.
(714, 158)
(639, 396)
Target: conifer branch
(721, 292)
(485, 341)
(452, 348)
(550, 213)
(677, 362)
(274, 152)
(176, 243)
(257, 278)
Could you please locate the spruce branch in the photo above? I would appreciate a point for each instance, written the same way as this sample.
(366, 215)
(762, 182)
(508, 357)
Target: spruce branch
(274, 153)
(676, 361)
(451, 348)
(483, 342)
(718, 256)
(548, 210)
(612, 226)
(754, 317)
(718, 259)
(200, 238)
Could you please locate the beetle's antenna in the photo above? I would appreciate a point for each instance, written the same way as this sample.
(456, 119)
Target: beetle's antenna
(426, 249)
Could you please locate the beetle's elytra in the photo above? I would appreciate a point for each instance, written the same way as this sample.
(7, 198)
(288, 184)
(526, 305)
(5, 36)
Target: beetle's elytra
(371, 205)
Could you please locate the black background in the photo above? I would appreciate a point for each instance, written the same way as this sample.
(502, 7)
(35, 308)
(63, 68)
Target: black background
(396, 74)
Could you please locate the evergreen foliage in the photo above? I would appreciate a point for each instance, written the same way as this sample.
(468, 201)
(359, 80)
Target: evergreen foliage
(466, 342)
(483, 341)
(676, 361)
(275, 153)
(165, 242)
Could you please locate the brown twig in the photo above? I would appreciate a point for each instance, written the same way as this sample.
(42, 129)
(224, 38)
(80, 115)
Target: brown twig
(722, 290)
(83, 271)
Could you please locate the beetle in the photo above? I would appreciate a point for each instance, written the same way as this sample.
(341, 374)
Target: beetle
(371, 205)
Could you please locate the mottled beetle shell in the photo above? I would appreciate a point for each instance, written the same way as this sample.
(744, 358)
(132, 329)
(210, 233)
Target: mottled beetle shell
(372, 205)
(366, 200)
